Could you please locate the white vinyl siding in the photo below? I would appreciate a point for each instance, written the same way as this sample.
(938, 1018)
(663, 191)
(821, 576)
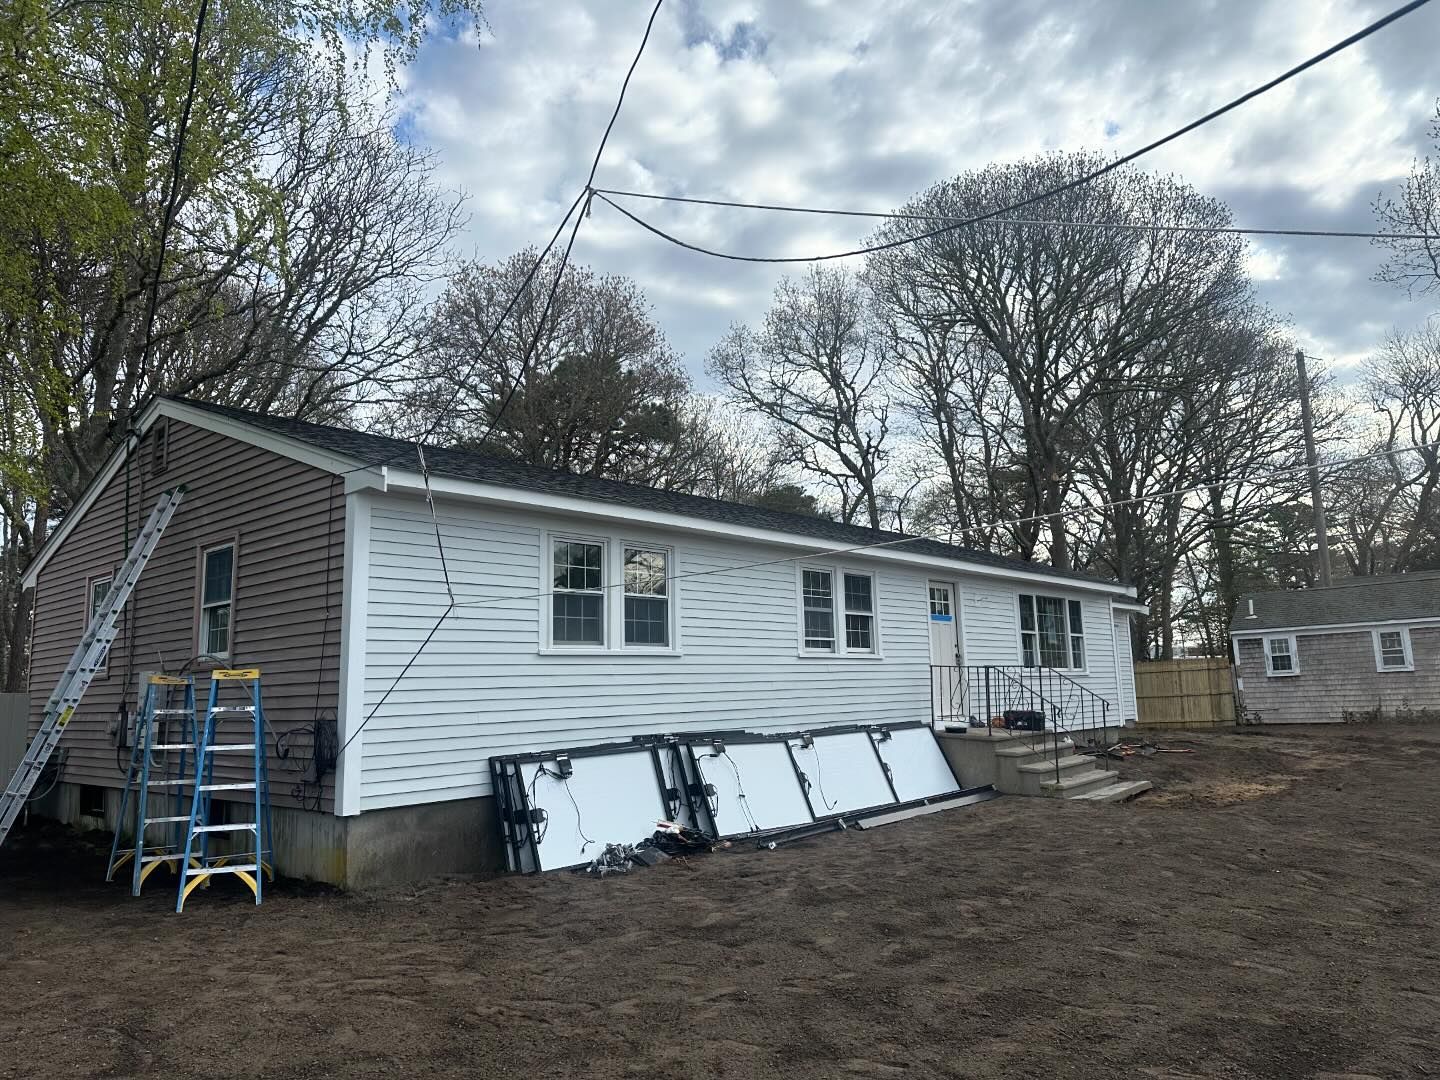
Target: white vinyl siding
(481, 687)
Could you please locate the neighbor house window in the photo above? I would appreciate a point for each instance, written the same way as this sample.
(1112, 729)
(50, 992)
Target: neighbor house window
(1052, 632)
(647, 596)
(1392, 650)
(217, 588)
(578, 602)
(1280, 658)
(817, 597)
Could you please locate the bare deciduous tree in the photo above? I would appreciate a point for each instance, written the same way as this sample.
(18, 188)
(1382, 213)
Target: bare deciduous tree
(813, 371)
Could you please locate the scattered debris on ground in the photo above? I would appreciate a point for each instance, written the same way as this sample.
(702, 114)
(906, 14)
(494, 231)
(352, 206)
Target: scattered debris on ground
(1292, 933)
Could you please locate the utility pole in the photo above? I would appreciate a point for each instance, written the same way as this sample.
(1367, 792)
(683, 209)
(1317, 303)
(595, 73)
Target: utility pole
(1322, 539)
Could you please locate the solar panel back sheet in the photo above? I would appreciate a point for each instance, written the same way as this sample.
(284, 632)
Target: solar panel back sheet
(918, 768)
(755, 786)
(560, 808)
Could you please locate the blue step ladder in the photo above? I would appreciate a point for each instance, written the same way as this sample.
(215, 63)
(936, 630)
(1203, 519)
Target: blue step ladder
(248, 861)
(163, 763)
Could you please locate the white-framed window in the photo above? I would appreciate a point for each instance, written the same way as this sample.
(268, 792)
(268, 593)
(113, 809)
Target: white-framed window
(577, 603)
(97, 588)
(1392, 649)
(940, 604)
(1281, 656)
(1052, 632)
(859, 612)
(646, 574)
(839, 611)
(817, 609)
(217, 596)
(608, 594)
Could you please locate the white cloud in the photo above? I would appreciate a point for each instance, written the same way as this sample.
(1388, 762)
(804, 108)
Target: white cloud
(864, 105)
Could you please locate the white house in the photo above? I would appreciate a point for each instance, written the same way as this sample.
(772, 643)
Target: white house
(577, 611)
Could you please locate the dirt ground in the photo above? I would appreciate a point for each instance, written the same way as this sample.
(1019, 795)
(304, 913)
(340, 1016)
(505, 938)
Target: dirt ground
(1269, 911)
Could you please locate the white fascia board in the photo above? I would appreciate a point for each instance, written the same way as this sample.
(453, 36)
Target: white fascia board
(1330, 628)
(188, 414)
(1131, 607)
(405, 482)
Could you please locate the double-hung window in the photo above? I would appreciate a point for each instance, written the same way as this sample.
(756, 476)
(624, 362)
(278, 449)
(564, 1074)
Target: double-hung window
(1052, 632)
(96, 590)
(817, 599)
(647, 597)
(217, 589)
(1392, 650)
(838, 612)
(859, 613)
(578, 603)
(1280, 658)
(605, 594)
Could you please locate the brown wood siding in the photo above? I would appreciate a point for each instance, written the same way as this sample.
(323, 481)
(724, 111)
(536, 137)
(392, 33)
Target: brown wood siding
(1338, 677)
(288, 521)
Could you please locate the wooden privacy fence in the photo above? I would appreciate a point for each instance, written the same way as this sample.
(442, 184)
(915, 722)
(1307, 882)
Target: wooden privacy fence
(14, 719)
(1185, 693)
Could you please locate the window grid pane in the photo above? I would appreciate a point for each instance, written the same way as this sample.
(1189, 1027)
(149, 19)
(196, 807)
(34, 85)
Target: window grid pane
(1280, 659)
(939, 601)
(859, 632)
(217, 630)
(647, 620)
(219, 566)
(819, 609)
(578, 618)
(1050, 620)
(1392, 649)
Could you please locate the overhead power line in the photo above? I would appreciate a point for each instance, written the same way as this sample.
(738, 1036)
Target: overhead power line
(1127, 226)
(1235, 103)
(583, 197)
(585, 194)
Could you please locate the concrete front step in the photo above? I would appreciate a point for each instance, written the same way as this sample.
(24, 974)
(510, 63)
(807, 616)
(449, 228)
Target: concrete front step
(1027, 749)
(1077, 782)
(1118, 792)
(1031, 777)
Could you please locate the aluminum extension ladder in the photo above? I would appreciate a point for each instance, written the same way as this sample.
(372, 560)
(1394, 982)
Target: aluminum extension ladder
(163, 726)
(88, 658)
(198, 866)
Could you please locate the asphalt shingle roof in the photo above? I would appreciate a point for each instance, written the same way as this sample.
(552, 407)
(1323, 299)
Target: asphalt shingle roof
(468, 465)
(1355, 600)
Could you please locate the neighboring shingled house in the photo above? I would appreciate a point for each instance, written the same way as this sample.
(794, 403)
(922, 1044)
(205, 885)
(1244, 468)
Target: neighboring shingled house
(1365, 648)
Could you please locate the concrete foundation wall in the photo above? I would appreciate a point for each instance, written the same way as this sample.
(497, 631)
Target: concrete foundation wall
(370, 850)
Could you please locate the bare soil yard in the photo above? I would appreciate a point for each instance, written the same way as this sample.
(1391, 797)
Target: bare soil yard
(1272, 910)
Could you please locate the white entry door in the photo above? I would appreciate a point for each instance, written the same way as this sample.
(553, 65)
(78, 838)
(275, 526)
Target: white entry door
(947, 683)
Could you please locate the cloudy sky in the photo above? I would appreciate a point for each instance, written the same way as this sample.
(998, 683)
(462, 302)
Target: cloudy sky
(862, 105)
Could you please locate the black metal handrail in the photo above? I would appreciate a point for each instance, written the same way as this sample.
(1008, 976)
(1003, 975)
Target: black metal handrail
(1009, 698)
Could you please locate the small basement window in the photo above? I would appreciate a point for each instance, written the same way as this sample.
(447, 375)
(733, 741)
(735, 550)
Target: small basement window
(92, 801)
(1280, 657)
(1392, 650)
